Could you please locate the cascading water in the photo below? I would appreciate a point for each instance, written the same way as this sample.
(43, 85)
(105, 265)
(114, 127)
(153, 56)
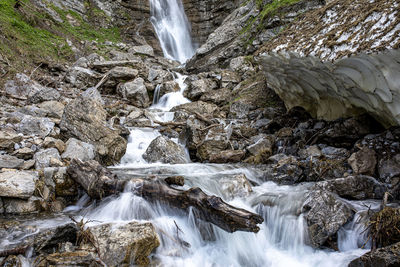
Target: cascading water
(173, 30)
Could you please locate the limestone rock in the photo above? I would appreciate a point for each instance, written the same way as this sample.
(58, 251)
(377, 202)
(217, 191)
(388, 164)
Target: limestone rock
(203, 108)
(21, 206)
(81, 77)
(143, 50)
(46, 94)
(50, 142)
(128, 244)
(54, 109)
(85, 119)
(214, 142)
(43, 157)
(389, 169)
(41, 127)
(164, 150)
(235, 186)
(363, 161)
(23, 87)
(199, 87)
(325, 214)
(17, 184)
(76, 149)
(8, 138)
(227, 156)
(10, 162)
(135, 92)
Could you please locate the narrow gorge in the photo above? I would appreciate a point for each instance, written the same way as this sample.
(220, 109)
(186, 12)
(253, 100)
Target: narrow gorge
(200, 133)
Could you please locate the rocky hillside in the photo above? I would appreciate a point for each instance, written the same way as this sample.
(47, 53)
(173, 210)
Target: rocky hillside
(302, 91)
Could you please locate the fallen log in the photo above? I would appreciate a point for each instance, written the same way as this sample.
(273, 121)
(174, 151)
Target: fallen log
(100, 182)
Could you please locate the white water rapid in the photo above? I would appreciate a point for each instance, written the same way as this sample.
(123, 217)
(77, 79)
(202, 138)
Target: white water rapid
(173, 30)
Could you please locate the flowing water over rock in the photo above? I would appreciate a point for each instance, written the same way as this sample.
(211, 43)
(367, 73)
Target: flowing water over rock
(172, 28)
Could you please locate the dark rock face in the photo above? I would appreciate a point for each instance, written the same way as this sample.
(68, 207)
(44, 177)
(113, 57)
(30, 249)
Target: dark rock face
(85, 119)
(382, 257)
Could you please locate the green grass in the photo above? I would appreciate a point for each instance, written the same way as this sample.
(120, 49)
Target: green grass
(29, 36)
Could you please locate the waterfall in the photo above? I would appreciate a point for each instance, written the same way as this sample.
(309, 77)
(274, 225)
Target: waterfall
(173, 29)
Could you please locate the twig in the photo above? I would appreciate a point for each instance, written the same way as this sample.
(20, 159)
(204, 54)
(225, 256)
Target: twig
(30, 76)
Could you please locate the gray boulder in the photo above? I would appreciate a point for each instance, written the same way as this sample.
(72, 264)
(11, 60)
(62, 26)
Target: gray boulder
(22, 87)
(21, 206)
(164, 150)
(43, 158)
(18, 184)
(324, 213)
(354, 187)
(76, 149)
(85, 119)
(54, 109)
(129, 244)
(46, 94)
(8, 138)
(143, 50)
(31, 126)
(135, 92)
(10, 162)
(81, 77)
(199, 87)
(363, 161)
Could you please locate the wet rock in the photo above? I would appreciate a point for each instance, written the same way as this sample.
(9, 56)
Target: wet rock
(76, 149)
(142, 50)
(158, 76)
(58, 179)
(227, 156)
(262, 146)
(41, 127)
(82, 77)
(43, 157)
(192, 136)
(21, 206)
(363, 161)
(164, 150)
(358, 187)
(50, 142)
(17, 184)
(235, 186)
(46, 94)
(86, 120)
(128, 244)
(54, 109)
(214, 142)
(175, 180)
(199, 87)
(325, 213)
(10, 162)
(8, 138)
(135, 92)
(285, 171)
(383, 257)
(389, 169)
(75, 258)
(168, 87)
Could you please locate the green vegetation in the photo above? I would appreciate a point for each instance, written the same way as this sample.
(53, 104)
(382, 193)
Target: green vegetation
(29, 36)
(266, 11)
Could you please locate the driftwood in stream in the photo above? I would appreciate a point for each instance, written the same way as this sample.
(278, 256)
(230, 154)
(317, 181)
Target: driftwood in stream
(99, 183)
